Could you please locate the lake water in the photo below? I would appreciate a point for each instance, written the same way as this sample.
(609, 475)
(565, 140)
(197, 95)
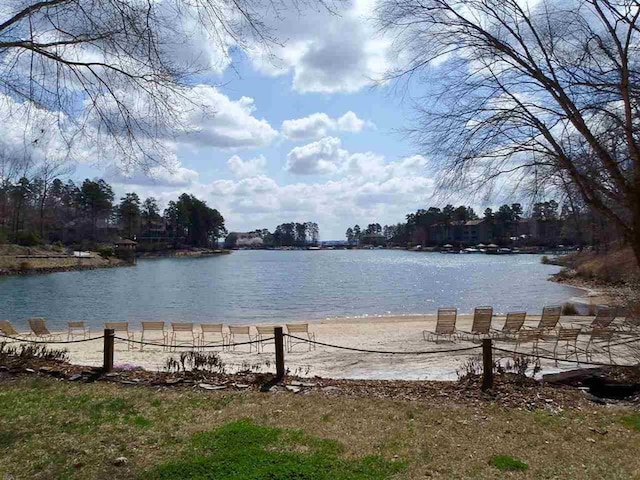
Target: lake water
(268, 286)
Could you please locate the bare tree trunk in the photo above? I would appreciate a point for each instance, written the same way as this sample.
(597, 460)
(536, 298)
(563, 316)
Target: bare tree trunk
(42, 202)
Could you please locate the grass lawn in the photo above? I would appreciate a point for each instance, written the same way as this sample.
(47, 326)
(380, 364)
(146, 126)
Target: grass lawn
(53, 429)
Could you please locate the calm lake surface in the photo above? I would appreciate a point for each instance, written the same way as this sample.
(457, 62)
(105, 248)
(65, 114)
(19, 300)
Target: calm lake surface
(268, 286)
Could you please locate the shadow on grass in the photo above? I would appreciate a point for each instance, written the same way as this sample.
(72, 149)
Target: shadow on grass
(242, 450)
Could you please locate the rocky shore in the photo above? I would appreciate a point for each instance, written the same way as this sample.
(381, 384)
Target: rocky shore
(31, 265)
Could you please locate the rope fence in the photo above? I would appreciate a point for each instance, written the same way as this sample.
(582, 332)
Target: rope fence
(487, 346)
(557, 359)
(58, 342)
(383, 352)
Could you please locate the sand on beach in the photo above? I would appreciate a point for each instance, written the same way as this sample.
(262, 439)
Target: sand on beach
(390, 333)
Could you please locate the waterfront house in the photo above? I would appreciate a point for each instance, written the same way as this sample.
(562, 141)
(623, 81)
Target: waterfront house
(470, 232)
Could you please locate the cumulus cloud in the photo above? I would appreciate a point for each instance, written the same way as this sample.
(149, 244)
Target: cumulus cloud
(350, 122)
(260, 201)
(317, 158)
(318, 125)
(225, 123)
(247, 168)
(326, 156)
(328, 53)
(172, 175)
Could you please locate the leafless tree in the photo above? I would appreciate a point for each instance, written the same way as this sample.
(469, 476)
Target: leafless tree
(114, 74)
(528, 91)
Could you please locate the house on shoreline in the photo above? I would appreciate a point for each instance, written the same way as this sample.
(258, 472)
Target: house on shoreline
(470, 232)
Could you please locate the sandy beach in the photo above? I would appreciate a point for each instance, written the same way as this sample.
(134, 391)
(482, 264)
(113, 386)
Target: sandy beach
(391, 333)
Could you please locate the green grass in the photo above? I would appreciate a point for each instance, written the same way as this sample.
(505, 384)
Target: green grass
(632, 421)
(51, 429)
(243, 450)
(506, 462)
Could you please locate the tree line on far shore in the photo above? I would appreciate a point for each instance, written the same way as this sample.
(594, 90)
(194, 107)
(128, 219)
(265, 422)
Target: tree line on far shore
(36, 210)
(548, 224)
(291, 234)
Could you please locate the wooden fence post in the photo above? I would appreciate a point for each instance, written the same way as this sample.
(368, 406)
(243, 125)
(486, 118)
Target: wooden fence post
(107, 364)
(279, 340)
(487, 364)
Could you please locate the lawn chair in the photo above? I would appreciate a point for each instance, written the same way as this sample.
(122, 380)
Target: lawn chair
(599, 342)
(77, 329)
(264, 334)
(240, 331)
(605, 315)
(512, 325)
(299, 330)
(39, 328)
(550, 318)
(569, 338)
(445, 326)
(631, 323)
(481, 325)
(121, 329)
(6, 328)
(187, 330)
(151, 328)
(530, 335)
(214, 330)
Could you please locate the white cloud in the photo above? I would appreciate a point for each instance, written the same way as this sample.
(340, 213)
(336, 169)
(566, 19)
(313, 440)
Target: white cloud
(317, 158)
(172, 175)
(259, 202)
(327, 52)
(315, 125)
(225, 123)
(385, 193)
(326, 156)
(349, 122)
(318, 125)
(247, 168)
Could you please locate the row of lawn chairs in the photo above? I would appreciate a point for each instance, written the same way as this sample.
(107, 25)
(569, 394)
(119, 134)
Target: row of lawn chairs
(39, 330)
(213, 334)
(548, 329)
(180, 334)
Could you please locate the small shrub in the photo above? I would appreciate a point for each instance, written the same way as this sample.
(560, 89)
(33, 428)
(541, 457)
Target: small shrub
(24, 352)
(105, 252)
(507, 462)
(569, 309)
(24, 265)
(472, 367)
(518, 366)
(193, 361)
(545, 260)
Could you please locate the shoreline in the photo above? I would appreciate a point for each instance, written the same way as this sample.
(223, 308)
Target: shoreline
(42, 266)
(595, 293)
(204, 253)
(14, 265)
